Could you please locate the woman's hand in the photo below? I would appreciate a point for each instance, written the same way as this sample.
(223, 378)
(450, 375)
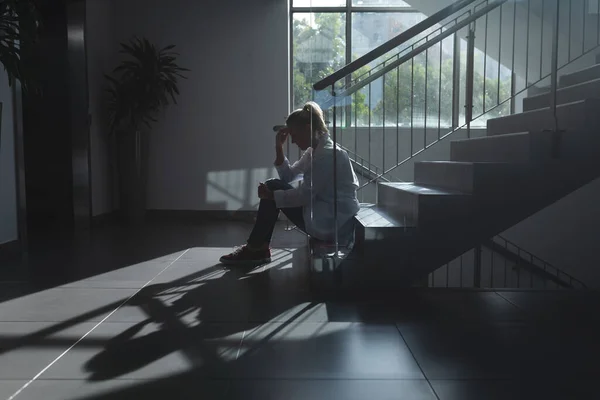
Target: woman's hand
(264, 193)
(281, 137)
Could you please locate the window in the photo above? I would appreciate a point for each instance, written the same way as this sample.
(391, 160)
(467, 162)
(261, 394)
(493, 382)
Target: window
(321, 46)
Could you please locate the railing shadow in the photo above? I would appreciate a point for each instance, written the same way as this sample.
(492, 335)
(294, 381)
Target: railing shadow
(198, 321)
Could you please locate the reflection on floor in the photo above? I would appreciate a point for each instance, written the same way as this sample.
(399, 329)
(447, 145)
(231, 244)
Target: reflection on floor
(149, 314)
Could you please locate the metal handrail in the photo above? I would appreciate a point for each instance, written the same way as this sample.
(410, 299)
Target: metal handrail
(402, 38)
(523, 259)
(401, 60)
(365, 164)
(546, 265)
(463, 126)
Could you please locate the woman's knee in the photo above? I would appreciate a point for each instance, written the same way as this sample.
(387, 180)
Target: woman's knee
(276, 184)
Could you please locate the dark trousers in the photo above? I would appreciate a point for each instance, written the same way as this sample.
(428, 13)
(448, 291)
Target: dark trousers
(268, 214)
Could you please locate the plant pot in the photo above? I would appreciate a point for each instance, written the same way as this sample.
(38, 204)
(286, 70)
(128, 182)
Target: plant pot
(132, 164)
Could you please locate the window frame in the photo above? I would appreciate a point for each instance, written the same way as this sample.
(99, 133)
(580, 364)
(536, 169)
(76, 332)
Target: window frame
(349, 9)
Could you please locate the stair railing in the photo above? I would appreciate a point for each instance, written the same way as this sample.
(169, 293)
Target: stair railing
(499, 263)
(487, 90)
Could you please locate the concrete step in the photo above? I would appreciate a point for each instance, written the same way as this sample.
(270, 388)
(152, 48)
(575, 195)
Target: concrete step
(584, 75)
(453, 175)
(497, 181)
(421, 205)
(570, 116)
(536, 90)
(570, 94)
(509, 148)
(466, 177)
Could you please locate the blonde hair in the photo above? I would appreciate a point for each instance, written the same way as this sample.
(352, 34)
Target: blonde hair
(311, 114)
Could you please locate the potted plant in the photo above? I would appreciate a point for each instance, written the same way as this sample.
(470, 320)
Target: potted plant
(140, 87)
(19, 25)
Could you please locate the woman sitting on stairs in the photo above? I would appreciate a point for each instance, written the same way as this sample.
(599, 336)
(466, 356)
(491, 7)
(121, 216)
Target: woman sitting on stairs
(310, 206)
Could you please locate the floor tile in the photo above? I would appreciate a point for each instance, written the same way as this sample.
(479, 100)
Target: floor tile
(138, 272)
(28, 347)
(562, 305)
(158, 389)
(243, 296)
(325, 351)
(150, 351)
(412, 305)
(501, 351)
(461, 306)
(514, 390)
(331, 389)
(9, 387)
(64, 304)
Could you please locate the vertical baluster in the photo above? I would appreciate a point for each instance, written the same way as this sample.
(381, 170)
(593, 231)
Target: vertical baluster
(470, 78)
(440, 92)
(355, 123)
(398, 114)
(505, 272)
(456, 82)
(485, 56)
(512, 68)
(412, 108)
(369, 122)
(477, 269)
(491, 268)
(426, 93)
(527, 44)
(531, 274)
(597, 22)
(461, 270)
(554, 82)
(583, 29)
(542, 39)
(570, 27)
(383, 126)
(335, 180)
(499, 52)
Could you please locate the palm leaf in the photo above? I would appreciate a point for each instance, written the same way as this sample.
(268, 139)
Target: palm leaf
(143, 84)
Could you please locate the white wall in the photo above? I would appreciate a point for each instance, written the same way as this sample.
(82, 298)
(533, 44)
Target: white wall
(8, 193)
(566, 234)
(101, 58)
(210, 151)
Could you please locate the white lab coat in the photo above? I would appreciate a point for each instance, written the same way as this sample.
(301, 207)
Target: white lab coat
(315, 192)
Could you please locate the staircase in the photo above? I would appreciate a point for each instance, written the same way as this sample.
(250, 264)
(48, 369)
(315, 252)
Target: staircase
(526, 162)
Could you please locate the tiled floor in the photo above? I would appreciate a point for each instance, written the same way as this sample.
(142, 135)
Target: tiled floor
(150, 314)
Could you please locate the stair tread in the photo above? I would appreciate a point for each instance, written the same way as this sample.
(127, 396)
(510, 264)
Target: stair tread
(372, 216)
(566, 88)
(581, 71)
(515, 134)
(539, 110)
(418, 189)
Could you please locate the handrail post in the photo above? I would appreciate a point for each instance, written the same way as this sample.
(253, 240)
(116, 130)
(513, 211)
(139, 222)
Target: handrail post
(554, 82)
(456, 83)
(335, 180)
(477, 269)
(470, 77)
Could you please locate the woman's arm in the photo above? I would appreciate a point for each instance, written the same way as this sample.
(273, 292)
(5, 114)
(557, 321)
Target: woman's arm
(288, 173)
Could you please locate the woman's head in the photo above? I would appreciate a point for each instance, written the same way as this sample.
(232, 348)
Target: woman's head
(306, 124)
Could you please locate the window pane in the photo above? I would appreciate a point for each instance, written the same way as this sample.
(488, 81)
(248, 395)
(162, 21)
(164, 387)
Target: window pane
(380, 3)
(319, 49)
(370, 30)
(319, 3)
